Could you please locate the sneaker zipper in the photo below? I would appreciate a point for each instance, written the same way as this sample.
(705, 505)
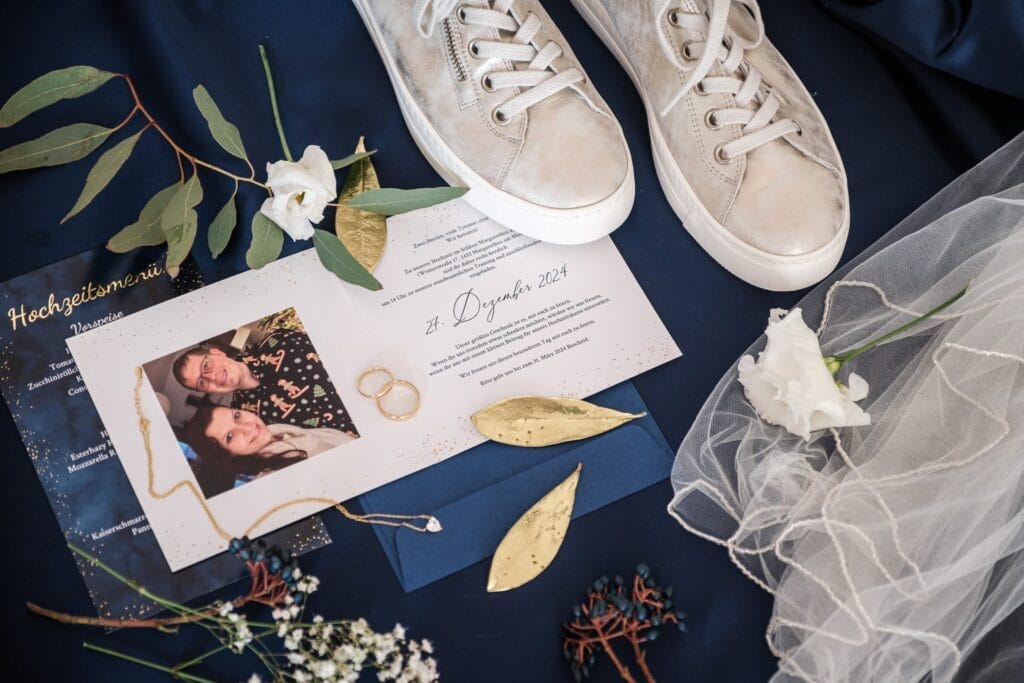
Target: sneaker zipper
(464, 90)
(450, 38)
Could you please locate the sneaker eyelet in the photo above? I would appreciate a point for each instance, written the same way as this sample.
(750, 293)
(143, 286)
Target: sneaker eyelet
(499, 117)
(720, 156)
(486, 83)
(710, 121)
(460, 14)
(474, 47)
(684, 51)
(699, 89)
(673, 17)
(799, 129)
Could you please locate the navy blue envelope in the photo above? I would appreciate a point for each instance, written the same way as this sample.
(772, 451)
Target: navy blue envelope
(479, 494)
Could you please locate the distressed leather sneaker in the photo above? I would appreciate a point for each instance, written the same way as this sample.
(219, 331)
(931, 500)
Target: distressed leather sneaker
(741, 150)
(497, 102)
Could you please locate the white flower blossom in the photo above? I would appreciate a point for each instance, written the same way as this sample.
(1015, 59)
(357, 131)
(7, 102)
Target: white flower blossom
(301, 191)
(791, 386)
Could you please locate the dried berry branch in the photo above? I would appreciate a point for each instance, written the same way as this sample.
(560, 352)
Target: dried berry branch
(615, 610)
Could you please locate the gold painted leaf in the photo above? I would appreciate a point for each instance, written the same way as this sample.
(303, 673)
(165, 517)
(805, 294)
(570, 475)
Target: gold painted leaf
(536, 421)
(364, 234)
(531, 544)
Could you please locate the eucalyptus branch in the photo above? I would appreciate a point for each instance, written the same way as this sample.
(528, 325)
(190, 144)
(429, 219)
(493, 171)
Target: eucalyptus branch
(179, 150)
(178, 228)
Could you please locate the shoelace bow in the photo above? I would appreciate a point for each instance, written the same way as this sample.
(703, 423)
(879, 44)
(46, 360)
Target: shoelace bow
(722, 45)
(537, 80)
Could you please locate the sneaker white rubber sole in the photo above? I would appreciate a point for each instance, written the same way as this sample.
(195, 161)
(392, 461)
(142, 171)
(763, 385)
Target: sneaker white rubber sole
(759, 268)
(547, 224)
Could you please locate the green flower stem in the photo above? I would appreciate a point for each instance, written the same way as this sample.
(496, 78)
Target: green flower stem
(135, 585)
(835, 362)
(152, 665)
(273, 104)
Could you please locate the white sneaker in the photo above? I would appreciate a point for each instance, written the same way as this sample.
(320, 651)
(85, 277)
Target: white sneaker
(742, 152)
(497, 102)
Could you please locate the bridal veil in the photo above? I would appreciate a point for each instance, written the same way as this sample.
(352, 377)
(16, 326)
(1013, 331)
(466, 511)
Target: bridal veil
(892, 549)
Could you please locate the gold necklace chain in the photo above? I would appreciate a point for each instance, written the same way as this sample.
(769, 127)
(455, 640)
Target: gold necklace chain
(393, 520)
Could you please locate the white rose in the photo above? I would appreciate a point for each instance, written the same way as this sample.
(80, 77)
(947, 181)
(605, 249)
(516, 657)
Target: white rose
(301, 191)
(791, 386)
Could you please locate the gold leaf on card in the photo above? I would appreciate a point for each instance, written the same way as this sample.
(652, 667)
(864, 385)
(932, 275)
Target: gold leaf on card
(364, 234)
(537, 421)
(531, 544)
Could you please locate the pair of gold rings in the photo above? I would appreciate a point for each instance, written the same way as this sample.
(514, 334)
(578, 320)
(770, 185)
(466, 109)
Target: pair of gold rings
(384, 389)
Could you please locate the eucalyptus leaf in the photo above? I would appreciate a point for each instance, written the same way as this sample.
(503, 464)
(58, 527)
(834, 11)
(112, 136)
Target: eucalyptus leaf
(101, 174)
(225, 133)
(352, 158)
(533, 421)
(532, 543)
(222, 226)
(57, 147)
(389, 201)
(62, 84)
(179, 222)
(336, 259)
(146, 231)
(267, 241)
(179, 241)
(187, 197)
(364, 234)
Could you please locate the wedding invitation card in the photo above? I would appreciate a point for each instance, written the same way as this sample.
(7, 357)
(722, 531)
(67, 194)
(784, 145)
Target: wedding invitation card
(249, 389)
(74, 456)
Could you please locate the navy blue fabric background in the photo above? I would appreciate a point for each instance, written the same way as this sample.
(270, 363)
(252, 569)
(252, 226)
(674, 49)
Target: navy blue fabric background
(904, 130)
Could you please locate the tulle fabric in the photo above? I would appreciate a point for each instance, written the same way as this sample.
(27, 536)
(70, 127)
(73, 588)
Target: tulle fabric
(892, 550)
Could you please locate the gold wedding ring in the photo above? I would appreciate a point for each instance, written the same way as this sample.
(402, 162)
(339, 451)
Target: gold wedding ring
(385, 389)
(386, 386)
(403, 416)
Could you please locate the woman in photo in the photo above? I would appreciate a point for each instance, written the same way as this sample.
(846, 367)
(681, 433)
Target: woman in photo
(234, 446)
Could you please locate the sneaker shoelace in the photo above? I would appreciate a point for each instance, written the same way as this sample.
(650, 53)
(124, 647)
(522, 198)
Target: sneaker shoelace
(756, 104)
(535, 77)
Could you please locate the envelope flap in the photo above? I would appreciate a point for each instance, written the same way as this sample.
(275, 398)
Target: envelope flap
(615, 465)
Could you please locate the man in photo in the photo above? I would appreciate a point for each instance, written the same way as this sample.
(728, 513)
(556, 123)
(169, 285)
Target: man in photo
(281, 379)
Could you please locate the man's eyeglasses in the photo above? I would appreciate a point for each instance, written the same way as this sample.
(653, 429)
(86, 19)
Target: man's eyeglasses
(206, 370)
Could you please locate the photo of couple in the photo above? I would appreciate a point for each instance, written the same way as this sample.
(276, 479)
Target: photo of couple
(250, 401)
